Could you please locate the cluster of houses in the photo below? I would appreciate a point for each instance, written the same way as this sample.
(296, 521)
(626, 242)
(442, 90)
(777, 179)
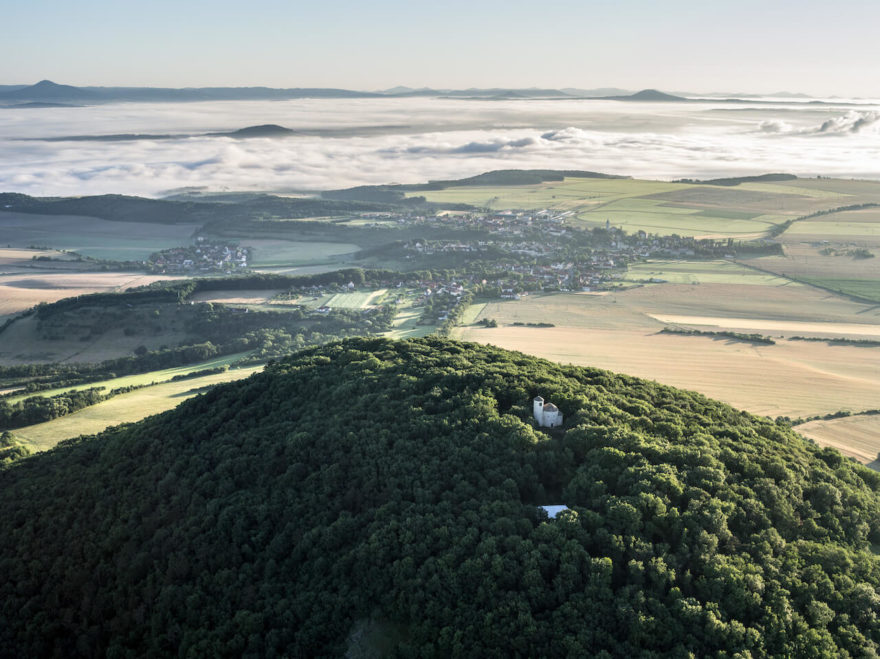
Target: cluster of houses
(203, 257)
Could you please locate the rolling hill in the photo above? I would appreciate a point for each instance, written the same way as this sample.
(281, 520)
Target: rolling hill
(373, 497)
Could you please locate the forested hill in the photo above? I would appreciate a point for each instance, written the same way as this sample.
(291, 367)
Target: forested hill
(378, 497)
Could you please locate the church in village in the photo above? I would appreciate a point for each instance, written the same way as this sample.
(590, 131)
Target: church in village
(547, 414)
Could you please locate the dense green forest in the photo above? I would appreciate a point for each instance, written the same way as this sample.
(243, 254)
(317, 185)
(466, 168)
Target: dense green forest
(378, 497)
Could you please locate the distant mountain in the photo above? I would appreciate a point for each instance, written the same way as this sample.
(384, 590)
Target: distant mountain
(42, 104)
(596, 93)
(648, 95)
(265, 130)
(171, 95)
(48, 91)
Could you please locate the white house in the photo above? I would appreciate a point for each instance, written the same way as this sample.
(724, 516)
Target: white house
(547, 414)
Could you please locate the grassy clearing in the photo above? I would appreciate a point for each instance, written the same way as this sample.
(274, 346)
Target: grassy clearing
(21, 343)
(355, 300)
(139, 379)
(406, 324)
(703, 272)
(125, 408)
(470, 315)
(103, 239)
(277, 253)
(237, 297)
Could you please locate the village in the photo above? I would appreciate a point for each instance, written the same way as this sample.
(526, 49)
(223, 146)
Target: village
(511, 254)
(204, 257)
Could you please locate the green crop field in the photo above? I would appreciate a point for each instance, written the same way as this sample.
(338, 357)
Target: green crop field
(125, 408)
(655, 216)
(567, 194)
(702, 272)
(276, 253)
(139, 379)
(742, 211)
(835, 231)
(864, 288)
(103, 239)
(785, 188)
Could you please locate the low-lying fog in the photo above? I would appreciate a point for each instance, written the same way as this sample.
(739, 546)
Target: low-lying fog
(342, 143)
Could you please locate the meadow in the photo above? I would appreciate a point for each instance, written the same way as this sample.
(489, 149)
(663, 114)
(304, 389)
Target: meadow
(139, 380)
(101, 239)
(270, 253)
(125, 408)
(355, 299)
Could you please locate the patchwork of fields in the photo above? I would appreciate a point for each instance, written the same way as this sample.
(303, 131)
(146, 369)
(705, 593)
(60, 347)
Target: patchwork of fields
(747, 210)
(620, 331)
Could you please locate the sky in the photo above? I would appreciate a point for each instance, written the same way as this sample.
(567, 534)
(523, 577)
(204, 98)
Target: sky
(808, 46)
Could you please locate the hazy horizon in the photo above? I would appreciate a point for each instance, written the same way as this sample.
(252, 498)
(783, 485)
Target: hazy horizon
(803, 47)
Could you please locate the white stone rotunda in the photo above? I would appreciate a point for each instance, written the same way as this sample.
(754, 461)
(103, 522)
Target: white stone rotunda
(547, 414)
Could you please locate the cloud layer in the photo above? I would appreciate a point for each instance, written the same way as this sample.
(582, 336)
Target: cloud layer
(353, 142)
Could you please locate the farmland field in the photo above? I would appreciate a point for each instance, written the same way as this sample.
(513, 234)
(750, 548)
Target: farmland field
(355, 300)
(125, 408)
(864, 288)
(836, 230)
(854, 436)
(791, 327)
(23, 290)
(619, 331)
(743, 211)
(571, 193)
(702, 272)
(653, 216)
(790, 379)
(102, 239)
(139, 379)
(271, 253)
(21, 343)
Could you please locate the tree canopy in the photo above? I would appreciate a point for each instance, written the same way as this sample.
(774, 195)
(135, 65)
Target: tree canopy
(380, 497)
